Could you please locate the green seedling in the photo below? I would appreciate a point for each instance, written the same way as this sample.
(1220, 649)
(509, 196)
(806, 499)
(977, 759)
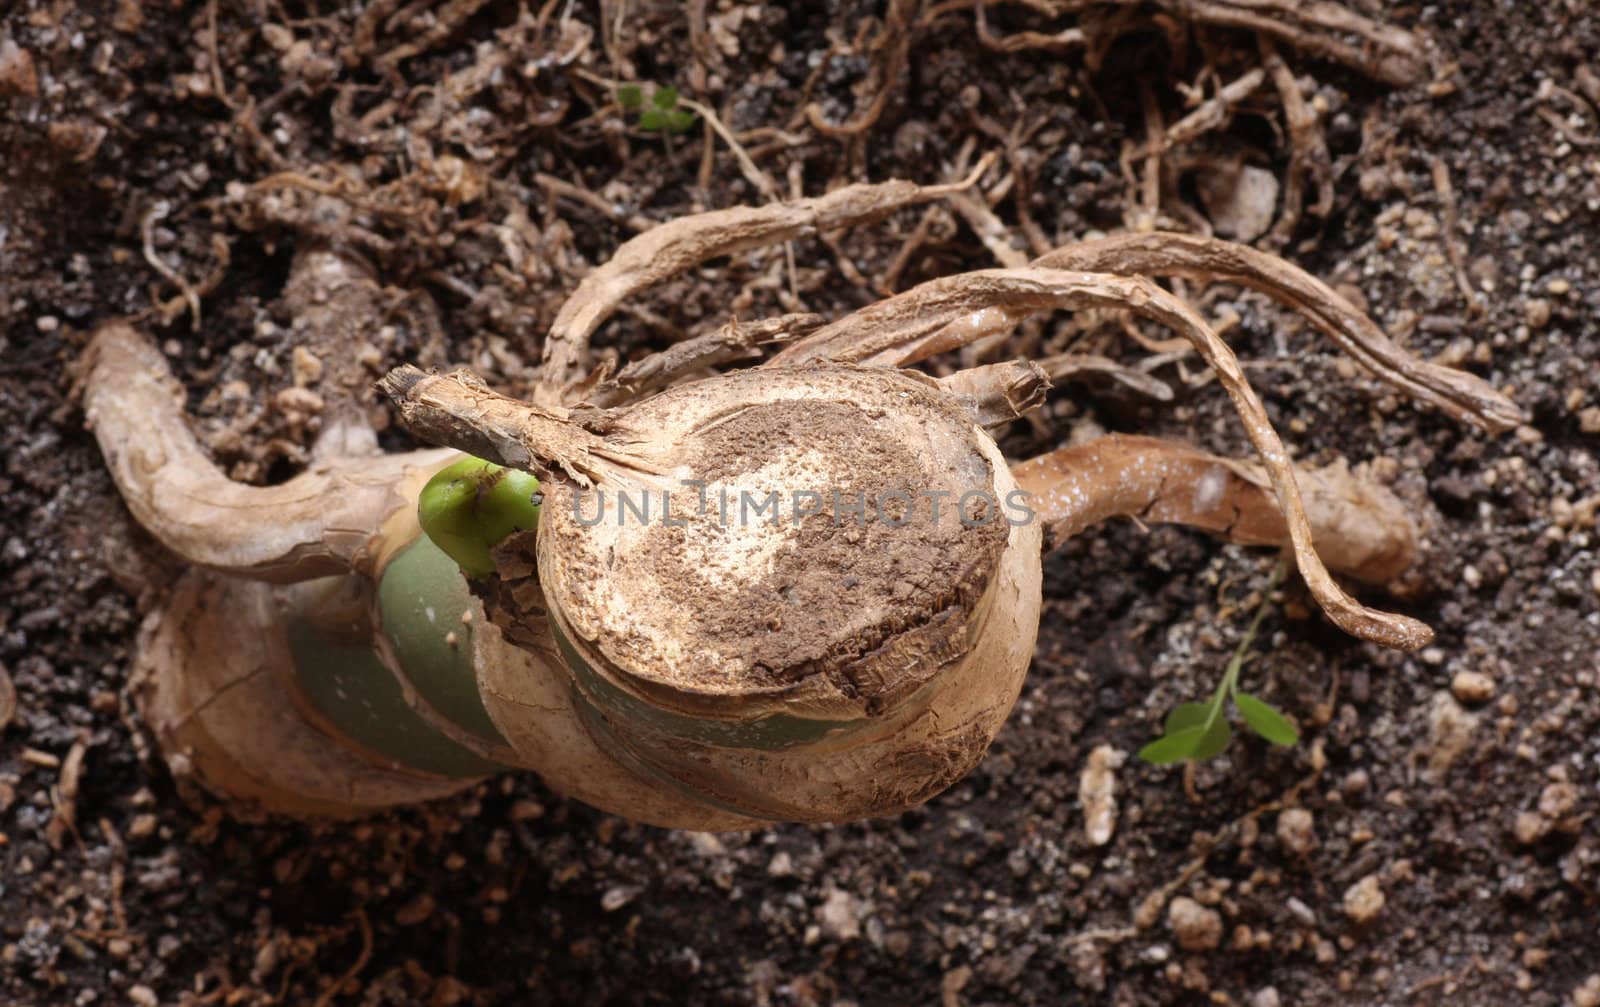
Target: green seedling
(662, 115)
(470, 506)
(1200, 731)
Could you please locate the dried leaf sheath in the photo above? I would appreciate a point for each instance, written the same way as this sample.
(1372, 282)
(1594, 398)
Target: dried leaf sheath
(1359, 528)
(318, 523)
(459, 410)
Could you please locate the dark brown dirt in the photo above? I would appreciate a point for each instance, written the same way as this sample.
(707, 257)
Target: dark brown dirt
(1475, 819)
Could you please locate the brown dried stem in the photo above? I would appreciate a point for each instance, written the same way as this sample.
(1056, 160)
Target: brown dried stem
(1078, 366)
(1308, 157)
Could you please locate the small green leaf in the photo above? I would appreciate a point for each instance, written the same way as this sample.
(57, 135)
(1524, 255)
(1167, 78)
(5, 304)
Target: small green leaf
(1170, 748)
(1196, 742)
(653, 119)
(665, 98)
(630, 95)
(1186, 715)
(1212, 742)
(679, 120)
(1266, 721)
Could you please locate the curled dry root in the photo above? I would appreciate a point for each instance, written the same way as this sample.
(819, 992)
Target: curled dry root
(694, 666)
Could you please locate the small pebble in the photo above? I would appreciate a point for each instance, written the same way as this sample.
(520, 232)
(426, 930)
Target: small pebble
(1557, 800)
(415, 911)
(840, 916)
(1196, 927)
(142, 827)
(1472, 687)
(1097, 792)
(1297, 831)
(1364, 900)
(1587, 995)
(1301, 912)
(1537, 312)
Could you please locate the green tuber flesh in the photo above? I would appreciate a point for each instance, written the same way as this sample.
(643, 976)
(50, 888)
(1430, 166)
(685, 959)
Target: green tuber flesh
(472, 505)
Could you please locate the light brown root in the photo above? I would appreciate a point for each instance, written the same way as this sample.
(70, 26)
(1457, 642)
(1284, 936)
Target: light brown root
(1359, 528)
(680, 245)
(1452, 234)
(1081, 366)
(1385, 53)
(998, 393)
(916, 325)
(1320, 27)
(1214, 112)
(460, 411)
(734, 341)
(1021, 41)
(990, 229)
(191, 297)
(1308, 158)
(318, 523)
(1462, 396)
(896, 40)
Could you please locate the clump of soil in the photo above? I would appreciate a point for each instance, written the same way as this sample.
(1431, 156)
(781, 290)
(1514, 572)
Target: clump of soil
(1433, 837)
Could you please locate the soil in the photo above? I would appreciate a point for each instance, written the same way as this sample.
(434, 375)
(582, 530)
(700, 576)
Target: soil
(1433, 836)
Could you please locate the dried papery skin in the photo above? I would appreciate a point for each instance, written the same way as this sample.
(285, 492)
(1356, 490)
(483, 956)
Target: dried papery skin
(213, 676)
(1459, 394)
(998, 393)
(917, 324)
(528, 692)
(679, 245)
(1359, 527)
(318, 523)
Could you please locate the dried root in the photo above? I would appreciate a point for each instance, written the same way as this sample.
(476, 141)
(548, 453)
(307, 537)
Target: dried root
(672, 248)
(923, 322)
(1460, 395)
(1359, 529)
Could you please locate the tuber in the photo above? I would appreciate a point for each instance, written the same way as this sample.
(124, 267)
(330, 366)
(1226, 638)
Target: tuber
(806, 590)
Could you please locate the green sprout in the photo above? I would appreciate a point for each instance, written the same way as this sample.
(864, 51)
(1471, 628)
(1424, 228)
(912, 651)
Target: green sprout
(662, 115)
(1200, 731)
(470, 506)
